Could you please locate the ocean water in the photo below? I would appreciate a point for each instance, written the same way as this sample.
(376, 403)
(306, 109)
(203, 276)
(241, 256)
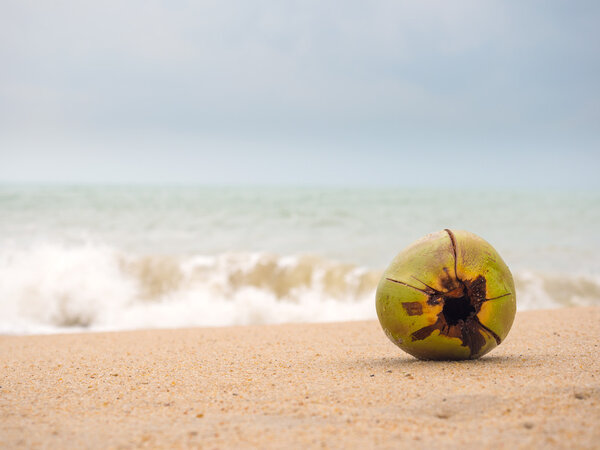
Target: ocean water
(78, 258)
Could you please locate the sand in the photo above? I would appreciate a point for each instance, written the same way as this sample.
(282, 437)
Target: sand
(340, 385)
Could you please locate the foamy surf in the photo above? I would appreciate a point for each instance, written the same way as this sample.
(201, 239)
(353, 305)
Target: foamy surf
(51, 287)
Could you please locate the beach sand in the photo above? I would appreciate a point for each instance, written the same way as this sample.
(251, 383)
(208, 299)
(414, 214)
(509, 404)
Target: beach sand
(339, 385)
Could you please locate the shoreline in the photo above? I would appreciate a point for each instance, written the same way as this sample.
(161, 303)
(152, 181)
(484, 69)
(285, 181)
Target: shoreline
(85, 331)
(301, 385)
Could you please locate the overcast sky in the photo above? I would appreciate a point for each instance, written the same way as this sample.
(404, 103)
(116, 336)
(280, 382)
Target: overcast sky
(309, 92)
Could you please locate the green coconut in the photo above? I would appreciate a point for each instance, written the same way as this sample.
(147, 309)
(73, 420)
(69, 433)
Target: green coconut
(449, 295)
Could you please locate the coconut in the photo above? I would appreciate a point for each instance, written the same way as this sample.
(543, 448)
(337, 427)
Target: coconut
(449, 295)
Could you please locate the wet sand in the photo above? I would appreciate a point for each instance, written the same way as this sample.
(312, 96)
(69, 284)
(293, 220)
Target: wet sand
(338, 385)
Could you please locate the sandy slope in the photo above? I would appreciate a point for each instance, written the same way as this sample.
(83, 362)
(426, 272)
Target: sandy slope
(322, 385)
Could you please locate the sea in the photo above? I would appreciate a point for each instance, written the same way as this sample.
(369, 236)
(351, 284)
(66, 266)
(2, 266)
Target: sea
(99, 258)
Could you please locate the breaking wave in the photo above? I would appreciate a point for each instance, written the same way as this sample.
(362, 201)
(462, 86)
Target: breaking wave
(56, 288)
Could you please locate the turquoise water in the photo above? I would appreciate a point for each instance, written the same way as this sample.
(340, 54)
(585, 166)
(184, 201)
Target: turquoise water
(126, 257)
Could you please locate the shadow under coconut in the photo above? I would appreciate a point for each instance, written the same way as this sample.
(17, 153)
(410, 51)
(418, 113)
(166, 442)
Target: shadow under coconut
(405, 361)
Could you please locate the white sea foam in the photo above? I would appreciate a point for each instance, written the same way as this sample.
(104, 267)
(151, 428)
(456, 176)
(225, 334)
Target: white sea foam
(52, 287)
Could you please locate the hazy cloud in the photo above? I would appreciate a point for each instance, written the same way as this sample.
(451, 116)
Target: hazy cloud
(353, 79)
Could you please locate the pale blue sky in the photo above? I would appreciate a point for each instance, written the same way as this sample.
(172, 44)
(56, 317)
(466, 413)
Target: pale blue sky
(369, 93)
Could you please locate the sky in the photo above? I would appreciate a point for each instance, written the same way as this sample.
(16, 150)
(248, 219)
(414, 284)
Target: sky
(416, 93)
